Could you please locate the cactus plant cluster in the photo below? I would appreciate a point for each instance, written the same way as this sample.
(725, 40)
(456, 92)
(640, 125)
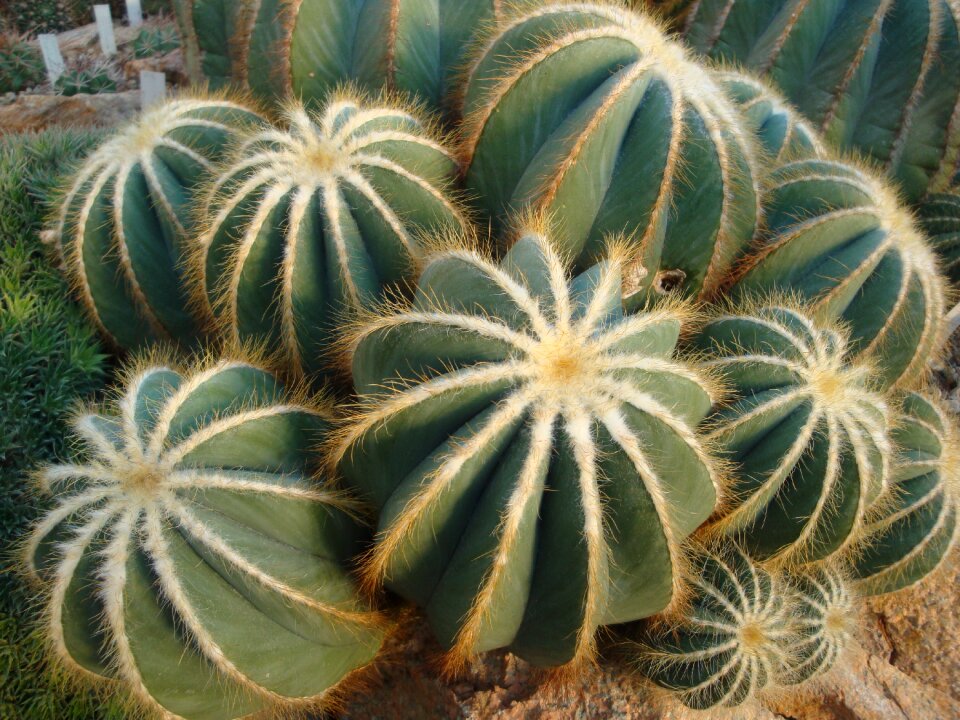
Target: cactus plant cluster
(21, 65)
(634, 346)
(155, 41)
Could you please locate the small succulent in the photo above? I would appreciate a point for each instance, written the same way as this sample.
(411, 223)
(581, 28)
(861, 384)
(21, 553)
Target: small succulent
(21, 65)
(89, 81)
(152, 41)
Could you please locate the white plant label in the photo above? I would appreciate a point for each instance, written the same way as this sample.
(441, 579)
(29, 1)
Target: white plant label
(51, 56)
(134, 13)
(153, 88)
(108, 43)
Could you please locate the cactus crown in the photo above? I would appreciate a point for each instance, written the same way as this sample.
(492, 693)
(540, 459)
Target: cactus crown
(560, 381)
(160, 527)
(339, 201)
(807, 432)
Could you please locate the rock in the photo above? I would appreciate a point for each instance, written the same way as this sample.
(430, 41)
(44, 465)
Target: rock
(36, 112)
(170, 64)
(922, 626)
(866, 687)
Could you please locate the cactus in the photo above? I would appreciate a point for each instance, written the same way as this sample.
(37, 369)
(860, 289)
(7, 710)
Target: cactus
(317, 219)
(879, 78)
(939, 218)
(155, 41)
(825, 621)
(919, 523)
(731, 639)
(123, 228)
(530, 449)
(589, 113)
(782, 131)
(837, 237)
(207, 29)
(88, 79)
(21, 65)
(190, 556)
(806, 433)
(306, 49)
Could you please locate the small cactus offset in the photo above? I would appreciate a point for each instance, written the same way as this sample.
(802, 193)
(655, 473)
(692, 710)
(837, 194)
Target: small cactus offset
(588, 112)
(939, 218)
(191, 557)
(123, 227)
(878, 77)
(783, 133)
(805, 432)
(730, 640)
(918, 526)
(316, 219)
(838, 239)
(531, 450)
(825, 620)
(305, 50)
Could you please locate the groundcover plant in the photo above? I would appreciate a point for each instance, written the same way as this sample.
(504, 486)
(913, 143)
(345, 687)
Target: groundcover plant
(529, 315)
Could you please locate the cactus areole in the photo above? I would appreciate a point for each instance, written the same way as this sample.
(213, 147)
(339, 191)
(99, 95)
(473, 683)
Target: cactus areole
(531, 450)
(589, 113)
(190, 556)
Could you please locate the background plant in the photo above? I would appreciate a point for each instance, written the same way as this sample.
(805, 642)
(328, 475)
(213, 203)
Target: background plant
(21, 65)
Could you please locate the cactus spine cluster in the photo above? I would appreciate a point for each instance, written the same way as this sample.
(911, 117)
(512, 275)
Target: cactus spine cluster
(124, 227)
(879, 78)
(918, 526)
(544, 469)
(806, 434)
(837, 238)
(589, 113)
(190, 554)
(309, 222)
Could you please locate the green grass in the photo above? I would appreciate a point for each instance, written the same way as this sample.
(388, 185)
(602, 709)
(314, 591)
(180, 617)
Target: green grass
(49, 356)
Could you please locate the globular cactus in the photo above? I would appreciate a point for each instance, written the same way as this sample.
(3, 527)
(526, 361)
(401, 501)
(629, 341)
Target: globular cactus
(783, 133)
(939, 218)
(805, 432)
(123, 228)
(878, 77)
(730, 640)
(191, 558)
(918, 526)
(311, 221)
(825, 620)
(588, 112)
(306, 49)
(531, 450)
(838, 238)
(207, 30)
